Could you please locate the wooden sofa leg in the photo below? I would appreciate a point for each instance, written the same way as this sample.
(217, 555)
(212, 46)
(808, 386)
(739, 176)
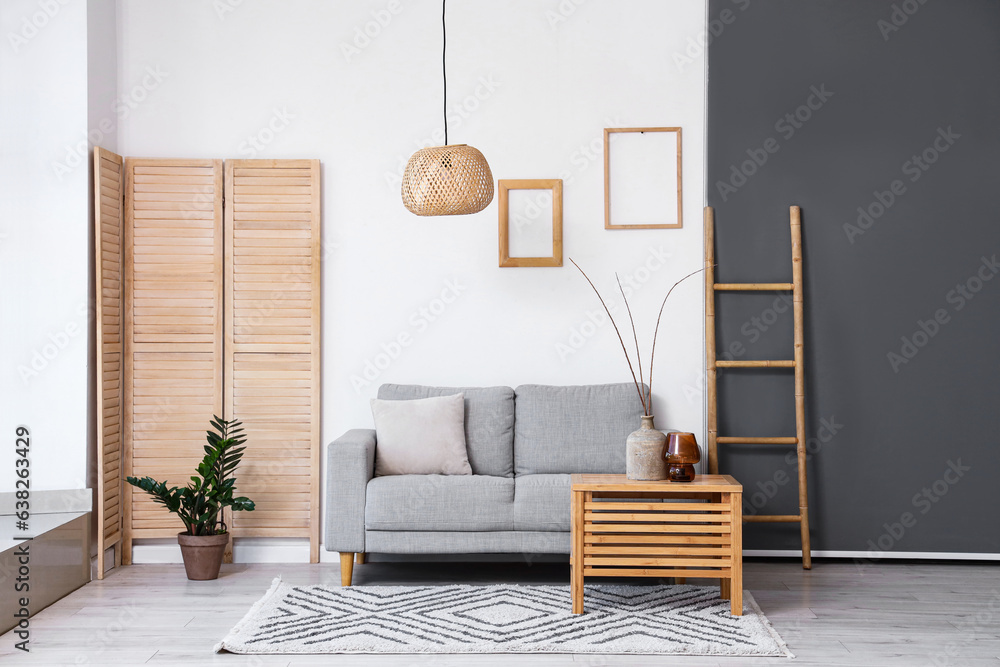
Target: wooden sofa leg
(346, 567)
(360, 558)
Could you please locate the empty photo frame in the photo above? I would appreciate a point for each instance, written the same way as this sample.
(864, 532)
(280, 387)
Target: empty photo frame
(530, 230)
(642, 178)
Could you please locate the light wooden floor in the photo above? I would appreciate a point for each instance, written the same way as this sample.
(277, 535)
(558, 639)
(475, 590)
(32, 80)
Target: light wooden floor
(895, 614)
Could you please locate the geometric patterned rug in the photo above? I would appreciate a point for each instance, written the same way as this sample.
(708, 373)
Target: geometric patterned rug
(681, 620)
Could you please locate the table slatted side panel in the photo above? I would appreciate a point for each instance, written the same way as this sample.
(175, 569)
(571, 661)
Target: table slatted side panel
(670, 539)
(108, 219)
(173, 327)
(272, 342)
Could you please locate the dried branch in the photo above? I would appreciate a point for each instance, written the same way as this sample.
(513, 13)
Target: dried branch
(652, 352)
(638, 354)
(620, 340)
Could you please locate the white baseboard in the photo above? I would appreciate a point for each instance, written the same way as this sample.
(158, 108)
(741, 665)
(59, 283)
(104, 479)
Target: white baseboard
(256, 550)
(867, 555)
(245, 550)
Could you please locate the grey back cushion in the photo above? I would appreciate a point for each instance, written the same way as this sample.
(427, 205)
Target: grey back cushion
(574, 429)
(489, 422)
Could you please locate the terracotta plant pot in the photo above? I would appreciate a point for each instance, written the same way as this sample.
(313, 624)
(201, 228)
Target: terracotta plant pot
(202, 554)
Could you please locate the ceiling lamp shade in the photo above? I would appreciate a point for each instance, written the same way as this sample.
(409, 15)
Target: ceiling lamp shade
(447, 180)
(452, 179)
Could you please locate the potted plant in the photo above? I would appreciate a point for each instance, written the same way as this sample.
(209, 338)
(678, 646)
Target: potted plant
(199, 505)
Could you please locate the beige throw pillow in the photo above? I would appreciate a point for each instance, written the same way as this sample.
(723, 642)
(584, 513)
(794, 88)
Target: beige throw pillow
(425, 436)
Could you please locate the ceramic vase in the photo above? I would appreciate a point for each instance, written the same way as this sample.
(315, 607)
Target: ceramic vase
(644, 453)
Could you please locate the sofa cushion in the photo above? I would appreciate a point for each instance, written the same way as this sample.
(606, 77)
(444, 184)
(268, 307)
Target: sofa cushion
(574, 429)
(541, 502)
(424, 436)
(439, 502)
(489, 422)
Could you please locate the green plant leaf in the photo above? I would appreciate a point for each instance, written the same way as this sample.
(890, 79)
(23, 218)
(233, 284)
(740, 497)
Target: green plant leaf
(199, 504)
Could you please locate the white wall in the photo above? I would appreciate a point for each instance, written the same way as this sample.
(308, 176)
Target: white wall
(44, 236)
(538, 81)
(102, 73)
(102, 124)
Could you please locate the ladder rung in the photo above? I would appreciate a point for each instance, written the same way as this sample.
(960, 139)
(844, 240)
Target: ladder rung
(756, 363)
(753, 287)
(722, 440)
(773, 518)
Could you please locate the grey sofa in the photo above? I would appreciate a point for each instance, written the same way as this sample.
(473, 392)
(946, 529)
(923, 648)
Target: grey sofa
(523, 444)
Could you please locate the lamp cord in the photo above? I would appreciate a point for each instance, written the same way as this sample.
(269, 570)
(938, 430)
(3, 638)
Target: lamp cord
(444, 68)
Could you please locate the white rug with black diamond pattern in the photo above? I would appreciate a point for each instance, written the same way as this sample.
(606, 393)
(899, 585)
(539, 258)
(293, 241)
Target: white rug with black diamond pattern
(690, 620)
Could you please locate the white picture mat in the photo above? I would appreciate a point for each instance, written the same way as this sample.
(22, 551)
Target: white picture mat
(529, 226)
(643, 178)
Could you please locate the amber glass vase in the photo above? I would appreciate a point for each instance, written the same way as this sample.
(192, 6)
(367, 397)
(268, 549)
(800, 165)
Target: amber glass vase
(682, 453)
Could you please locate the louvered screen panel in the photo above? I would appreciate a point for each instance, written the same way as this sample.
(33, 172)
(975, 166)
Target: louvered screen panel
(173, 327)
(108, 218)
(272, 342)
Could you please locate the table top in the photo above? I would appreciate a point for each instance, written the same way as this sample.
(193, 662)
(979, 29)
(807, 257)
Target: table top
(701, 484)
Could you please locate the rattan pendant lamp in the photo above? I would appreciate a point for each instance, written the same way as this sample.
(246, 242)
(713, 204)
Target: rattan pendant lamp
(451, 179)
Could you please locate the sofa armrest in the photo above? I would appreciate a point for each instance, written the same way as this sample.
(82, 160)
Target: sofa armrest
(350, 465)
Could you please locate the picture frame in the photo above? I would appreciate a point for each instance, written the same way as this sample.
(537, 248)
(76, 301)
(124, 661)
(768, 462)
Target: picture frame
(505, 186)
(646, 168)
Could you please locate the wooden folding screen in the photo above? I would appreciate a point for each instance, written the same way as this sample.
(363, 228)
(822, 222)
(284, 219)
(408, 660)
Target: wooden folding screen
(162, 253)
(108, 218)
(173, 328)
(272, 341)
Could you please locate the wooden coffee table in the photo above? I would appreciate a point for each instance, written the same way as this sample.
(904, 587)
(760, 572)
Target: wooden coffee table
(629, 532)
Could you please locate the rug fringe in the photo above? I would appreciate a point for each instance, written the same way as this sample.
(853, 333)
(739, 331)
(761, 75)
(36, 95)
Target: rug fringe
(767, 624)
(221, 646)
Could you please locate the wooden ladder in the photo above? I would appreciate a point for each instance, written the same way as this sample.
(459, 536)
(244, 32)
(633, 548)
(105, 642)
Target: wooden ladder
(713, 364)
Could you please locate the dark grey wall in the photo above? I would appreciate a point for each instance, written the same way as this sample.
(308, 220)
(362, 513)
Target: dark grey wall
(887, 81)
